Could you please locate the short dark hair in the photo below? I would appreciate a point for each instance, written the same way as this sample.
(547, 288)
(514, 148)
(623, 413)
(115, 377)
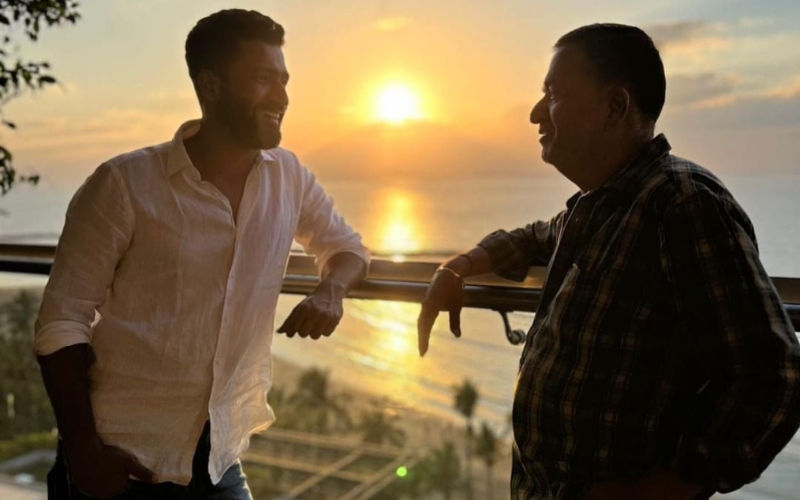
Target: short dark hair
(625, 55)
(215, 38)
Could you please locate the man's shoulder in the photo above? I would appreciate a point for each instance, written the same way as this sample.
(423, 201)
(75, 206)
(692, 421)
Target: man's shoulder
(694, 190)
(685, 180)
(288, 163)
(139, 159)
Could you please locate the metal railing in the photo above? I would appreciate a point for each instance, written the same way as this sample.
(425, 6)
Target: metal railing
(389, 280)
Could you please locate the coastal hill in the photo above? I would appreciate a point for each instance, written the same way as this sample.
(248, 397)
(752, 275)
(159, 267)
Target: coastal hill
(419, 150)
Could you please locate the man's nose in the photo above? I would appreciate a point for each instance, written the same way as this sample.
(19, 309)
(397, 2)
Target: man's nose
(279, 95)
(538, 113)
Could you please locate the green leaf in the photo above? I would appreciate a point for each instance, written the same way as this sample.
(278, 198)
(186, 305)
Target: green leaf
(46, 79)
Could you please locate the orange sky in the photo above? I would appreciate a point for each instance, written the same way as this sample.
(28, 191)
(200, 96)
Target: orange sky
(474, 68)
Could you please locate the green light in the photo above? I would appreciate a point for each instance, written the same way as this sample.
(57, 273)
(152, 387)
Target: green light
(401, 471)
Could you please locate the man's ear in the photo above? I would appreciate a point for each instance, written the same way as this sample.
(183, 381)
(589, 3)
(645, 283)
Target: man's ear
(208, 86)
(619, 104)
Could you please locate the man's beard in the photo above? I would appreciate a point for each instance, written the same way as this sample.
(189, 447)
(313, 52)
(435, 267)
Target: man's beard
(245, 126)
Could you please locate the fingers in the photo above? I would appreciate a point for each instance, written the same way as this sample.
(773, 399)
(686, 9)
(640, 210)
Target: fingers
(294, 323)
(455, 320)
(289, 325)
(307, 320)
(135, 468)
(444, 293)
(427, 316)
(330, 327)
(316, 325)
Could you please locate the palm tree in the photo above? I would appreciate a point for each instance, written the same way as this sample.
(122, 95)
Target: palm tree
(486, 449)
(318, 409)
(377, 427)
(442, 470)
(465, 397)
(280, 402)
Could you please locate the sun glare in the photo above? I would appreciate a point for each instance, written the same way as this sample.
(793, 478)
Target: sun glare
(397, 103)
(398, 228)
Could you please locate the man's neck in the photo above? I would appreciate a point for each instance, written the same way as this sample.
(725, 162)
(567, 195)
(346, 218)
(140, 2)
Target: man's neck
(615, 157)
(215, 155)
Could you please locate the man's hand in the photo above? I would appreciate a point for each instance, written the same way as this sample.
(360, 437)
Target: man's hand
(658, 484)
(101, 471)
(445, 293)
(318, 314)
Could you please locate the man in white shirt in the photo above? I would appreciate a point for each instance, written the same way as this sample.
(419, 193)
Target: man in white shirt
(181, 249)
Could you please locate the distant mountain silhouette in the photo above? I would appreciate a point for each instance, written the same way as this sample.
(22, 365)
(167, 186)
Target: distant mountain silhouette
(416, 150)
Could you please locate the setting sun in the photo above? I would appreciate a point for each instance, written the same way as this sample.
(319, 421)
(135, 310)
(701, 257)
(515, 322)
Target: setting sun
(397, 103)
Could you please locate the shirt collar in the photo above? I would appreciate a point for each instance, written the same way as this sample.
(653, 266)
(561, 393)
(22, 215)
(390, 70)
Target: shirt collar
(178, 159)
(626, 182)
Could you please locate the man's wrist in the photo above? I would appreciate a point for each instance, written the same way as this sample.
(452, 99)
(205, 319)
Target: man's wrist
(461, 264)
(332, 287)
(82, 445)
(451, 272)
(665, 480)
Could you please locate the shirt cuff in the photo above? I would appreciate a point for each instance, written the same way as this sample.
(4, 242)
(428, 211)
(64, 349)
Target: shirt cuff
(58, 335)
(503, 256)
(361, 252)
(718, 470)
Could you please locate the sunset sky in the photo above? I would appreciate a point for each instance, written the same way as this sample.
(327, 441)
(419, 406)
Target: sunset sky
(469, 69)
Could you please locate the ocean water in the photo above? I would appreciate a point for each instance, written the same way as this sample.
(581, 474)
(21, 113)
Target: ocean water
(374, 348)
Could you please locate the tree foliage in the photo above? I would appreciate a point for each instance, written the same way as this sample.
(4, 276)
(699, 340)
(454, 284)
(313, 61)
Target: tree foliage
(486, 447)
(18, 75)
(379, 426)
(465, 397)
(24, 406)
(442, 470)
(317, 408)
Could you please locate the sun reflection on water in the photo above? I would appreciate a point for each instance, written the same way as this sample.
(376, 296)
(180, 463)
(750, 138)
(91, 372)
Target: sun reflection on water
(394, 328)
(397, 223)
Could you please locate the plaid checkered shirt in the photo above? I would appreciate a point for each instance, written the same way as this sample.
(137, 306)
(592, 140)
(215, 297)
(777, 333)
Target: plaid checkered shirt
(659, 341)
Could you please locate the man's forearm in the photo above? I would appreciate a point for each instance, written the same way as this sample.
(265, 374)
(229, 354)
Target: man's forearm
(66, 378)
(344, 271)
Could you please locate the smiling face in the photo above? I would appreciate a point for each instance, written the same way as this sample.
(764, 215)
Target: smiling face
(572, 113)
(252, 96)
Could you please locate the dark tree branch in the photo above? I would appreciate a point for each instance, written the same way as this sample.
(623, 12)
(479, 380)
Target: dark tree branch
(18, 76)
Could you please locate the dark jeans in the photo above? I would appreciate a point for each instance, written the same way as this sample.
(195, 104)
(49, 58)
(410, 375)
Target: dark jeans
(232, 486)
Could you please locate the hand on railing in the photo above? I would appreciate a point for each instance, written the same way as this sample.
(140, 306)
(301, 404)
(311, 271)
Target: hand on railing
(445, 293)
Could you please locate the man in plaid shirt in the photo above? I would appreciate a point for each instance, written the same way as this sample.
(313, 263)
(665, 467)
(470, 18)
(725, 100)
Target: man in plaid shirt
(660, 363)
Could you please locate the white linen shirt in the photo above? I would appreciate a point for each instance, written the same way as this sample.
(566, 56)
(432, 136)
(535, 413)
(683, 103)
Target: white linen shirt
(186, 297)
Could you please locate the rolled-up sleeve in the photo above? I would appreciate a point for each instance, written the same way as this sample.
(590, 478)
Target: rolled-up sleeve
(748, 404)
(97, 231)
(321, 231)
(513, 252)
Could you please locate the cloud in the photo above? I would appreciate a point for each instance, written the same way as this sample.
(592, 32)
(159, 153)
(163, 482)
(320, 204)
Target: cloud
(746, 111)
(63, 148)
(704, 89)
(711, 90)
(788, 90)
(390, 24)
(690, 39)
(677, 32)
